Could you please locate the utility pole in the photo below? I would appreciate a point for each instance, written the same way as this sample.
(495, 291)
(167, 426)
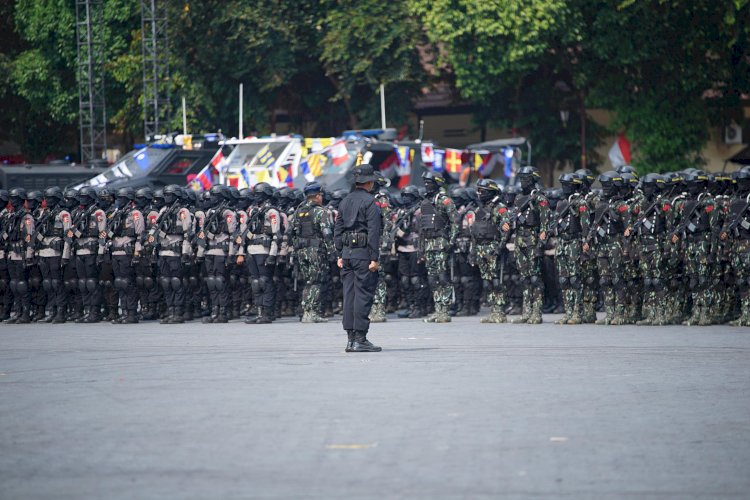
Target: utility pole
(92, 112)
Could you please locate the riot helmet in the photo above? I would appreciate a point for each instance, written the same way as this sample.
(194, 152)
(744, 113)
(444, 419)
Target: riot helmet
(123, 197)
(87, 196)
(586, 177)
(697, 181)
(34, 199)
(171, 194)
(528, 178)
(263, 192)
(4, 198)
(432, 182)
(105, 198)
(159, 201)
(487, 189)
(612, 184)
(143, 197)
(570, 183)
(410, 195)
(509, 195)
(53, 196)
(652, 184)
(70, 199)
(742, 177)
(17, 197)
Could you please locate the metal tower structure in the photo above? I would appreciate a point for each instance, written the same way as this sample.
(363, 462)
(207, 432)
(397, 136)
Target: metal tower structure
(156, 82)
(90, 76)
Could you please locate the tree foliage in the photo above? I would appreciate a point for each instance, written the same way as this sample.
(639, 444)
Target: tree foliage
(666, 69)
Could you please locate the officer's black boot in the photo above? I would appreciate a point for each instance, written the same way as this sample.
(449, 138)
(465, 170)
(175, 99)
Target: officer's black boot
(266, 316)
(50, 315)
(82, 318)
(168, 316)
(361, 344)
(25, 317)
(59, 315)
(350, 341)
(39, 314)
(177, 317)
(222, 317)
(94, 315)
(188, 316)
(214, 315)
(130, 318)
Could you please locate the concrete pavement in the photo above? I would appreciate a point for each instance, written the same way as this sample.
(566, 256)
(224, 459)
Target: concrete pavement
(461, 410)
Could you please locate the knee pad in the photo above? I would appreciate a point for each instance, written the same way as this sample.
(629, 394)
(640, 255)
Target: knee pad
(445, 278)
(255, 286)
(82, 285)
(389, 279)
(265, 283)
(405, 281)
(564, 282)
(164, 282)
(219, 283)
(120, 283)
(702, 281)
(590, 280)
(615, 280)
(71, 284)
(465, 280)
(13, 285)
(433, 281)
(55, 284)
(22, 286)
(648, 282)
(139, 281)
(243, 280)
(193, 280)
(105, 283)
(416, 281)
(91, 284)
(3, 284)
(211, 283)
(186, 283)
(35, 283)
(574, 281)
(232, 280)
(47, 285)
(657, 284)
(693, 282)
(605, 281)
(175, 283)
(149, 283)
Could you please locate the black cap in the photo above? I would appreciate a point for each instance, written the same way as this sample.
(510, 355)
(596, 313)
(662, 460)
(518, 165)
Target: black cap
(364, 173)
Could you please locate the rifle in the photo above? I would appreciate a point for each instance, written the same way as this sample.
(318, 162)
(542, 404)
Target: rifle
(643, 217)
(37, 236)
(739, 220)
(556, 220)
(158, 232)
(686, 221)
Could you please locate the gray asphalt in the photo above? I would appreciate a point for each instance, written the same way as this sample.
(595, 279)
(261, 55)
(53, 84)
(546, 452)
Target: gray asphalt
(461, 410)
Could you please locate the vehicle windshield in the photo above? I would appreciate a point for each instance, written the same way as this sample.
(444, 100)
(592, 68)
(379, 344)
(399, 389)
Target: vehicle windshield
(137, 163)
(243, 154)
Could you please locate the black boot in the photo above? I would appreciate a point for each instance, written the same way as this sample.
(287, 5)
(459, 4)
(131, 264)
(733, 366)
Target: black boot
(60, 315)
(168, 317)
(222, 317)
(266, 316)
(131, 317)
(50, 315)
(94, 315)
(361, 344)
(38, 314)
(250, 320)
(25, 317)
(350, 341)
(213, 317)
(177, 316)
(82, 318)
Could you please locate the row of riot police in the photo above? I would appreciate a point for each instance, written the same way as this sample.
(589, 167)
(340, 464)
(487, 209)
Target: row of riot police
(662, 249)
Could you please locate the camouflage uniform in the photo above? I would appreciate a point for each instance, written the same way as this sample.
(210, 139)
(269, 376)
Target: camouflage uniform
(438, 227)
(571, 222)
(311, 236)
(530, 220)
(487, 241)
(377, 313)
(735, 234)
(698, 226)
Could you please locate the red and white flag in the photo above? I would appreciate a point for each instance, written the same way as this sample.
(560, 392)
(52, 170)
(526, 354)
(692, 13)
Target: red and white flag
(428, 155)
(619, 153)
(339, 154)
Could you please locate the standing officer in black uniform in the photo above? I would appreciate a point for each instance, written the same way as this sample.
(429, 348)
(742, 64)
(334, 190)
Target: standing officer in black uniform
(357, 239)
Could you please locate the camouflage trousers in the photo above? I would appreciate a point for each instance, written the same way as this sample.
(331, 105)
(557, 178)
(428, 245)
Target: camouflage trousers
(529, 265)
(698, 272)
(654, 280)
(487, 260)
(570, 272)
(312, 267)
(439, 278)
(740, 255)
(609, 260)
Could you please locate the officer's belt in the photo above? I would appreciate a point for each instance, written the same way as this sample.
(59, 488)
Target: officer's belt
(307, 242)
(353, 239)
(261, 240)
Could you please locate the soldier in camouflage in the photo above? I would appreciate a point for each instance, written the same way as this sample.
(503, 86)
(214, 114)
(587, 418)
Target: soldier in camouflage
(529, 225)
(311, 235)
(570, 222)
(487, 241)
(377, 313)
(438, 228)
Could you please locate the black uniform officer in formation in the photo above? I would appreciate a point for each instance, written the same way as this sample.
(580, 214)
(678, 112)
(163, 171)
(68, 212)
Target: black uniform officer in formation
(357, 237)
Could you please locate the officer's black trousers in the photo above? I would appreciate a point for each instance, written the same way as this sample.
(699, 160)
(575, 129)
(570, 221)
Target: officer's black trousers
(359, 288)
(216, 278)
(170, 267)
(125, 285)
(19, 284)
(52, 281)
(266, 295)
(88, 280)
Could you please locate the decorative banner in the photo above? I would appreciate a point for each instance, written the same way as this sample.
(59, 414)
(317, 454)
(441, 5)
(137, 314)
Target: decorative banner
(316, 162)
(508, 154)
(305, 168)
(439, 164)
(404, 160)
(428, 155)
(245, 176)
(339, 153)
(452, 161)
(619, 154)
(389, 166)
(264, 158)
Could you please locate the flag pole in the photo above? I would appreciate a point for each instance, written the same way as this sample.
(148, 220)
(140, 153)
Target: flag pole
(382, 106)
(241, 134)
(184, 117)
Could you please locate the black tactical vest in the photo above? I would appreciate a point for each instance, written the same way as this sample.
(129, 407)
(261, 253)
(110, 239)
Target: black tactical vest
(570, 223)
(432, 223)
(304, 221)
(483, 228)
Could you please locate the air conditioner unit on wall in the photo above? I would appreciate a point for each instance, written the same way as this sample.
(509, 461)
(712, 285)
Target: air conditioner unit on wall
(733, 134)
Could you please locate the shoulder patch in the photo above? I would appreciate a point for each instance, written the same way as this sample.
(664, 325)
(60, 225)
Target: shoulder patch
(622, 208)
(502, 210)
(666, 207)
(709, 209)
(543, 203)
(447, 201)
(582, 208)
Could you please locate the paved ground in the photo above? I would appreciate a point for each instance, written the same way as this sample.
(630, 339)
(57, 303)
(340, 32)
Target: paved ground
(445, 411)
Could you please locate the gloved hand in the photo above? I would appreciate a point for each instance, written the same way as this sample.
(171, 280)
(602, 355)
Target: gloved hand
(271, 260)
